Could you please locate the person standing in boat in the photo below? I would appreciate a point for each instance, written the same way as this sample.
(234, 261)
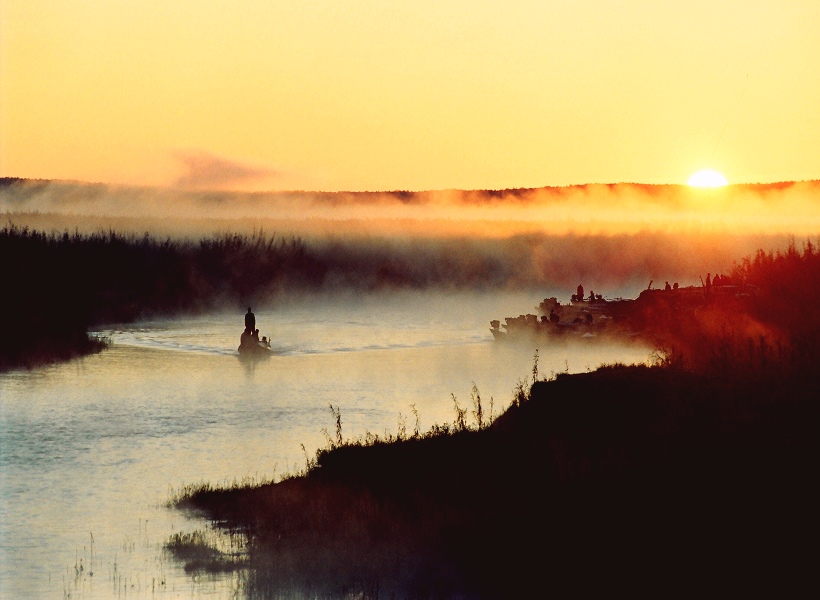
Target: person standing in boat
(250, 321)
(579, 293)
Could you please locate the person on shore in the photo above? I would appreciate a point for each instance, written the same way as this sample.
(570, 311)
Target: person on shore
(667, 287)
(250, 321)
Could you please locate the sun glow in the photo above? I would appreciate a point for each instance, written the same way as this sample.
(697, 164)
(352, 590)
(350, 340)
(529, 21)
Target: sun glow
(707, 178)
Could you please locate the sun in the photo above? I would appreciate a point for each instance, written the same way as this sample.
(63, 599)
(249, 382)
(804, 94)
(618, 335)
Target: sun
(707, 178)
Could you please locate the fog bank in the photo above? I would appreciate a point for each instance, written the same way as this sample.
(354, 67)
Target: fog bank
(613, 239)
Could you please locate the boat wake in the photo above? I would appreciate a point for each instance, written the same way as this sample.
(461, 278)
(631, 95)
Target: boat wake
(150, 340)
(174, 341)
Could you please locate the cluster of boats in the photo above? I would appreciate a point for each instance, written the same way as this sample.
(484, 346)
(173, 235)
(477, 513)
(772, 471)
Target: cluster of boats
(584, 317)
(594, 316)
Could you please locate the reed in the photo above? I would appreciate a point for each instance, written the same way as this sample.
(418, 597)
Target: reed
(199, 551)
(59, 285)
(707, 452)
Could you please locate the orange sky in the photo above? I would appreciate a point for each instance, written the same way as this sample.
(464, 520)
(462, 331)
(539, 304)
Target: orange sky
(418, 95)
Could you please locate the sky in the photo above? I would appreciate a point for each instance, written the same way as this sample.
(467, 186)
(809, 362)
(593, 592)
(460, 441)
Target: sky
(366, 95)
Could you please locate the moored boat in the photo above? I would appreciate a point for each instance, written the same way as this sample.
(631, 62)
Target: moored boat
(653, 310)
(584, 318)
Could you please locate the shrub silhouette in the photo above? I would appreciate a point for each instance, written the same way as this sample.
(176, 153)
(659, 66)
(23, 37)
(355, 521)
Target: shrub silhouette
(59, 285)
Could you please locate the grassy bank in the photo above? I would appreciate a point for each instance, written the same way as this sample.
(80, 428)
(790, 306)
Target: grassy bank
(59, 285)
(694, 476)
(649, 480)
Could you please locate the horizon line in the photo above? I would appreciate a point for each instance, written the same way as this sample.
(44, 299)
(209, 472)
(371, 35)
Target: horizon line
(7, 180)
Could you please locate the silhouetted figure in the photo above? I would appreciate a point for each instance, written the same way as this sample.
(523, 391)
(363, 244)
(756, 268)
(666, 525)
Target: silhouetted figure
(250, 321)
(579, 293)
(708, 280)
(667, 287)
(553, 316)
(246, 338)
(591, 295)
(255, 335)
(675, 285)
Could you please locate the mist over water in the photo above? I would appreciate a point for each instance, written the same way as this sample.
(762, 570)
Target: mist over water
(614, 238)
(395, 321)
(94, 448)
(592, 209)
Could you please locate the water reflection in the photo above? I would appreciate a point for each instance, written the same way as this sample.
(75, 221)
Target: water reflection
(97, 446)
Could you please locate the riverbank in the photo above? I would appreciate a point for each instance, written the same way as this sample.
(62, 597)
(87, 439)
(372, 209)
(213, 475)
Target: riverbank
(694, 475)
(62, 284)
(31, 349)
(652, 480)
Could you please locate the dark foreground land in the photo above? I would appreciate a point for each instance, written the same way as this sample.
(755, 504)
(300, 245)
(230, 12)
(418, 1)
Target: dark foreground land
(649, 481)
(692, 477)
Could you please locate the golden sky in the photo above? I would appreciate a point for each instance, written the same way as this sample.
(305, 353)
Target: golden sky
(417, 95)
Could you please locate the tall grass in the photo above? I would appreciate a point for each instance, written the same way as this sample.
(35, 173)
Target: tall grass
(624, 472)
(56, 286)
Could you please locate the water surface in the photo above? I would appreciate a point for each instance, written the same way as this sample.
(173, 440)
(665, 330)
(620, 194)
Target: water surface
(92, 450)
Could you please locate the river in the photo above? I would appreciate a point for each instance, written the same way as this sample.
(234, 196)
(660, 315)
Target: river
(92, 450)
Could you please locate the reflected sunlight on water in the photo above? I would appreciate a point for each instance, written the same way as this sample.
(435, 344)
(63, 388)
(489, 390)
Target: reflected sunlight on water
(93, 449)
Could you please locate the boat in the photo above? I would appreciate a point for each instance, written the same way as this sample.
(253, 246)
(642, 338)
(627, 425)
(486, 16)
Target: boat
(254, 348)
(583, 318)
(654, 310)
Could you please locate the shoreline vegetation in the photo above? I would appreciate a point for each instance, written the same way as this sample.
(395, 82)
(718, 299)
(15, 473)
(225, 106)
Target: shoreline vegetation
(694, 475)
(62, 284)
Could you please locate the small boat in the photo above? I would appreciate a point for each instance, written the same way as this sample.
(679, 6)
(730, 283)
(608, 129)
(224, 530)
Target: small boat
(254, 348)
(250, 345)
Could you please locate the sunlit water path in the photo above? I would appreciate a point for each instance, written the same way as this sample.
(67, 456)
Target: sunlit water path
(92, 450)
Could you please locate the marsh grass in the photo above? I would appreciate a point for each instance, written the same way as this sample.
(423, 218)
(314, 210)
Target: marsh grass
(304, 532)
(200, 551)
(654, 479)
(59, 285)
